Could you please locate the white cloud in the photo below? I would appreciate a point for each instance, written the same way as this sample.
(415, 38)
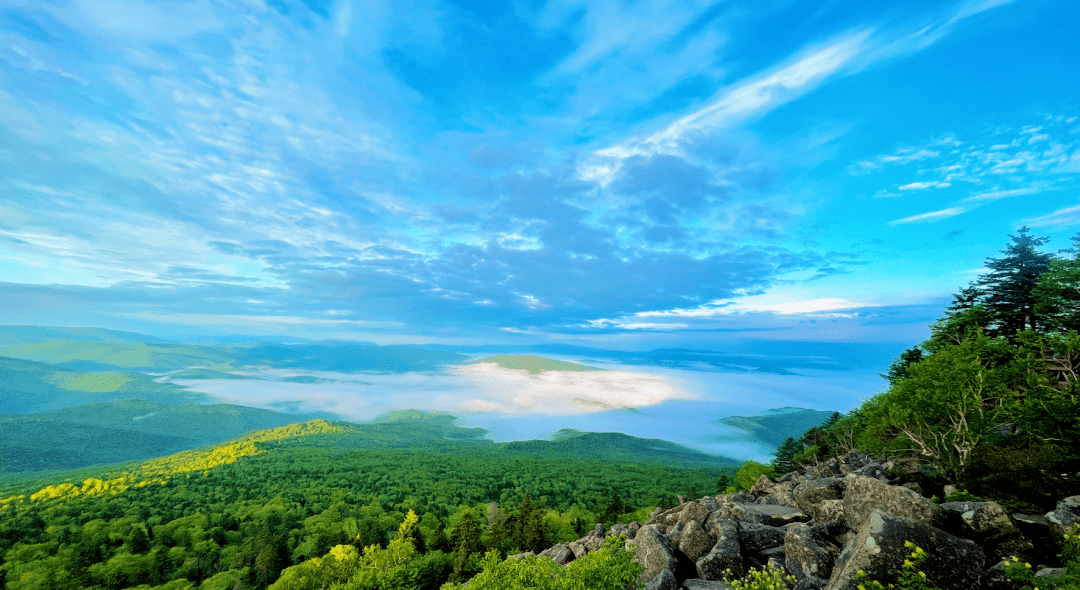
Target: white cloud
(769, 91)
(925, 185)
(995, 195)
(931, 216)
(1066, 216)
(562, 392)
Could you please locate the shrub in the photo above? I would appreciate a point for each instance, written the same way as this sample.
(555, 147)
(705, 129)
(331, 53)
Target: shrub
(764, 578)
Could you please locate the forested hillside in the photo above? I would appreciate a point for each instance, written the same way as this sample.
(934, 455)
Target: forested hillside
(242, 512)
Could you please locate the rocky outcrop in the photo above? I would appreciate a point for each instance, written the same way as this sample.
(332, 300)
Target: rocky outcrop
(825, 524)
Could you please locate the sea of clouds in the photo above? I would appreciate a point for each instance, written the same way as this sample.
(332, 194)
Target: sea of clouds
(676, 404)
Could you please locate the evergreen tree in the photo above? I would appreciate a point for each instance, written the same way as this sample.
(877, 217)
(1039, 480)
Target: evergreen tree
(899, 368)
(783, 461)
(964, 315)
(723, 482)
(1007, 287)
(467, 536)
(1057, 295)
(439, 541)
(139, 541)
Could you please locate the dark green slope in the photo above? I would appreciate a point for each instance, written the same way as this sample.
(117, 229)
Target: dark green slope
(27, 386)
(414, 429)
(124, 430)
(772, 427)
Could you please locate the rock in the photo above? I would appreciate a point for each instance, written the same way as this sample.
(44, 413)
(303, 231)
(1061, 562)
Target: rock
(829, 511)
(952, 563)
(830, 468)
(993, 528)
(808, 552)
(1066, 514)
(1050, 572)
(693, 511)
(913, 487)
(763, 513)
(755, 539)
(699, 584)
(1037, 530)
(656, 512)
(825, 529)
(726, 554)
(560, 554)
(811, 583)
(816, 490)
(665, 580)
(522, 555)
(653, 553)
(948, 490)
(695, 542)
(863, 496)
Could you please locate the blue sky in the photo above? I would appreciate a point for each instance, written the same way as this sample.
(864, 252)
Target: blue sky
(625, 174)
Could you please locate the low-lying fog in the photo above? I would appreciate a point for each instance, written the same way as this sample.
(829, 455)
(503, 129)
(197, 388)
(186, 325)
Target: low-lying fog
(674, 404)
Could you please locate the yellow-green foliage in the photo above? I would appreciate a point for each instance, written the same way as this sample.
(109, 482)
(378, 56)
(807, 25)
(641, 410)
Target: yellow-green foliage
(1024, 574)
(911, 577)
(533, 364)
(765, 578)
(609, 568)
(292, 431)
(97, 382)
(750, 472)
(346, 568)
(158, 471)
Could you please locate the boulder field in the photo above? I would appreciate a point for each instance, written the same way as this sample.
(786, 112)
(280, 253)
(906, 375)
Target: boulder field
(824, 524)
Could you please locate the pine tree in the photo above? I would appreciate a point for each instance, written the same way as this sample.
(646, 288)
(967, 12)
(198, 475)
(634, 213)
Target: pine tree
(783, 461)
(723, 482)
(1007, 287)
(965, 314)
(1057, 295)
(899, 368)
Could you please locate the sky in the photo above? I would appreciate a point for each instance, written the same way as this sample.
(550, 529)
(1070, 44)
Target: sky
(618, 174)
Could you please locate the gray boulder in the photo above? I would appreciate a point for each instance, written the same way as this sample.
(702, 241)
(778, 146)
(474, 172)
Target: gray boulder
(763, 513)
(693, 511)
(725, 554)
(817, 490)
(755, 539)
(653, 552)
(993, 528)
(864, 495)
(1037, 530)
(879, 550)
(665, 580)
(695, 542)
(560, 554)
(808, 552)
(1066, 514)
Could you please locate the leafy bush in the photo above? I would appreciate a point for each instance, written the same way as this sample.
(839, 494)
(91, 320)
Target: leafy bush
(609, 568)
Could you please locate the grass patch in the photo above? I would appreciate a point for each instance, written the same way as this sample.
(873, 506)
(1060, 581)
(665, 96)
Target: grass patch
(97, 382)
(533, 364)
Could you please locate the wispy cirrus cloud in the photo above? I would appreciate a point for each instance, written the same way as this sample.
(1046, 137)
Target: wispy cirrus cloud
(930, 216)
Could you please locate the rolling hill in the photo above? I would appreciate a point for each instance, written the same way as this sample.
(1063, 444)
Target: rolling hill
(772, 427)
(27, 386)
(124, 430)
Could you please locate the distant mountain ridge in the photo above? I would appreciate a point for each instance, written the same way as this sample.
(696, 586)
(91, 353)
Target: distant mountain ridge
(773, 426)
(125, 430)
